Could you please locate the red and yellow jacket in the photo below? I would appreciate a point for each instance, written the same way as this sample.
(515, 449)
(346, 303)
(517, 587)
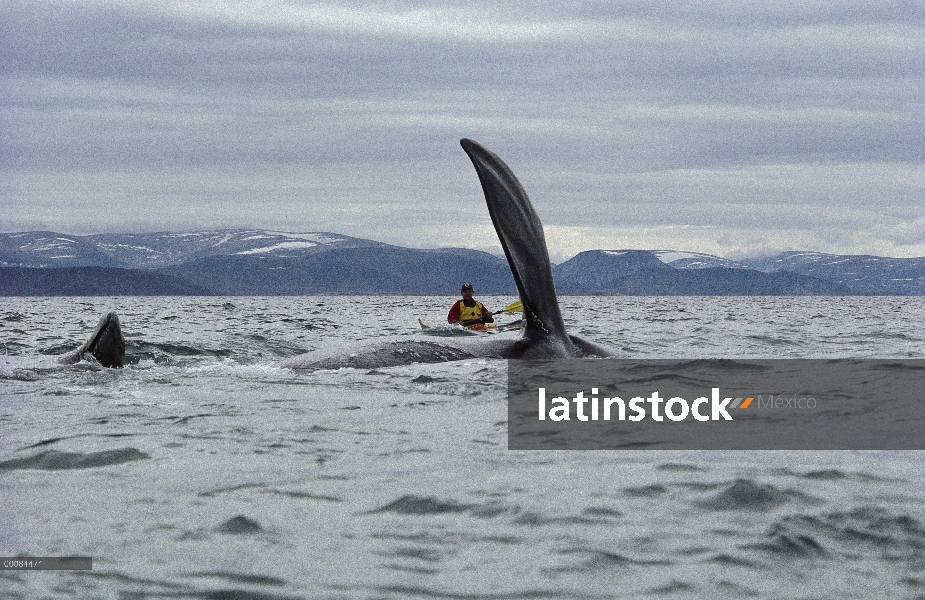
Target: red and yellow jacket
(461, 312)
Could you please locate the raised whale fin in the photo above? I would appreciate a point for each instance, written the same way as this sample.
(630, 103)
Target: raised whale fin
(106, 345)
(521, 234)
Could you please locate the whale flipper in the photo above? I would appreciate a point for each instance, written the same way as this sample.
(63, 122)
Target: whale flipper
(106, 345)
(521, 234)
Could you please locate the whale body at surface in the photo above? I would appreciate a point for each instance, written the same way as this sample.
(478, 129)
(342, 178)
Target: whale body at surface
(106, 346)
(520, 232)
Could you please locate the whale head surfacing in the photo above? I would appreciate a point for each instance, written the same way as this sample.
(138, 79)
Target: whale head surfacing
(106, 346)
(521, 235)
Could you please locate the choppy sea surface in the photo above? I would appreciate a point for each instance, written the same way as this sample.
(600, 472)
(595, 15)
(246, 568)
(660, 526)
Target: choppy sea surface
(203, 470)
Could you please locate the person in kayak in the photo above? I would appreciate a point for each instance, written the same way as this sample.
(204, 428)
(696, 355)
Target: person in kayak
(469, 311)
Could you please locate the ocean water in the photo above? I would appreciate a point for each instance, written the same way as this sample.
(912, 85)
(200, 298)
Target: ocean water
(203, 470)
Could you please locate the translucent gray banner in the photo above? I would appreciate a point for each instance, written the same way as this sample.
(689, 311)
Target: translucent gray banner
(46, 563)
(790, 404)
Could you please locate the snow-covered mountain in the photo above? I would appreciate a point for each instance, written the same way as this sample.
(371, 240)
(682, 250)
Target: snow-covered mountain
(696, 260)
(864, 273)
(256, 262)
(649, 273)
(45, 249)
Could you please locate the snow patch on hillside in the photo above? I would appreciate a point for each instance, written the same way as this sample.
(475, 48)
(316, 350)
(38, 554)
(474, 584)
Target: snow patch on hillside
(280, 246)
(318, 238)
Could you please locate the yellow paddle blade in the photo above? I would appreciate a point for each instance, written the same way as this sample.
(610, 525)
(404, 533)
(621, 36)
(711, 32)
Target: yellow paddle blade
(513, 307)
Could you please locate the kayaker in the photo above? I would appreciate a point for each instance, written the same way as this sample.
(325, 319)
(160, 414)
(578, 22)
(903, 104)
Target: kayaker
(469, 311)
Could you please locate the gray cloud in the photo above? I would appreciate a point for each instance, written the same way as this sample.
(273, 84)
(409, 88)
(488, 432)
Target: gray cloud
(731, 116)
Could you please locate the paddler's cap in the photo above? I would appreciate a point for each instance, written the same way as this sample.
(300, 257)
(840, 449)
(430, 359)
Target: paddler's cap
(466, 286)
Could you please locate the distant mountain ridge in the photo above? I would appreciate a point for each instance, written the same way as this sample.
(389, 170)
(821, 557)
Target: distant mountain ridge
(866, 274)
(643, 273)
(42, 249)
(259, 262)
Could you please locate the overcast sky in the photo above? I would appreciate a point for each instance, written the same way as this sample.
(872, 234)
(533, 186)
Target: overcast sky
(732, 128)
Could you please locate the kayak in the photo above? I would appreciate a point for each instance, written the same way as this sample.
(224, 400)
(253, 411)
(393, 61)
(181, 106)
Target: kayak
(474, 327)
(455, 328)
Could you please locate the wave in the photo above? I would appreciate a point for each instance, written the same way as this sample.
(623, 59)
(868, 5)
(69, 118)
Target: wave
(745, 494)
(864, 530)
(53, 460)
(240, 525)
